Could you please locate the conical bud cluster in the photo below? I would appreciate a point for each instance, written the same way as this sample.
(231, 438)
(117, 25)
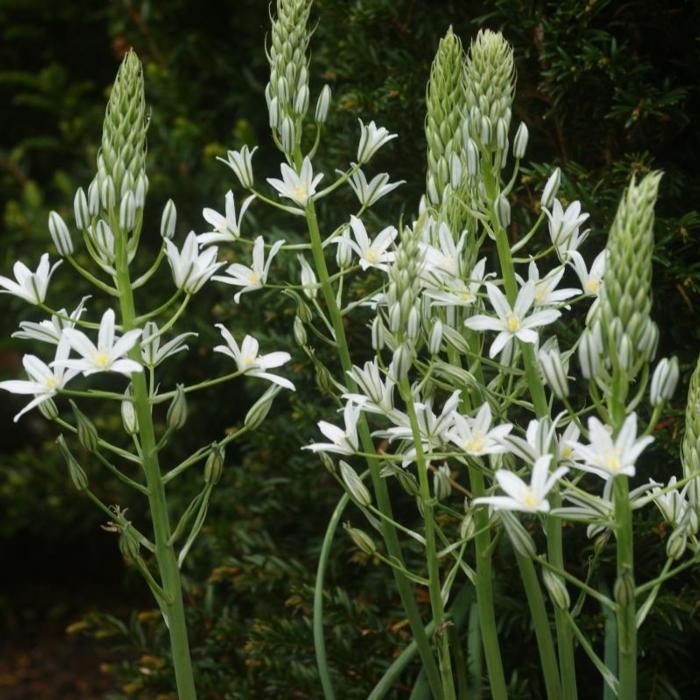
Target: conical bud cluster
(122, 156)
(489, 86)
(690, 450)
(287, 93)
(443, 125)
(628, 332)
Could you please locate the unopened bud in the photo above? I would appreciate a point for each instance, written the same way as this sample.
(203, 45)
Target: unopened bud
(361, 539)
(93, 195)
(664, 381)
(129, 419)
(141, 190)
(589, 351)
(168, 220)
(677, 543)
(520, 141)
(401, 363)
(127, 212)
(274, 113)
(324, 101)
(378, 334)
(467, 528)
(259, 410)
(301, 102)
(472, 157)
(76, 472)
(519, 537)
(501, 135)
(308, 278)
(442, 488)
(177, 411)
(80, 209)
(553, 371)
(551, 188)
(87, 432)
(435, 342)
(107, 193)
(502, 210)
(214, 465)
(455, 171)
(288, 135)
(60, 235)
(556, 589)
(300, 331)
(357, 490)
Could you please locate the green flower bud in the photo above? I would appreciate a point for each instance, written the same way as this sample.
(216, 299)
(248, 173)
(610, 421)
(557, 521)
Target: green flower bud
(556, 589)
(177, 411)
(123, 147)
(77, 475)
(467, 528)
(168, 220)
(60, 235)
(690, 449)
(300, 331)
(81, 209)
(214, 465)
(361, 539)
(677, 543)
(625, 300)
(520, 141)
(518, 535)
(502, 210)
(623, 589)
(259, 410)
(489, 88)
(324, 102)
(87, 432)
(442, 488)
(127, 212)
(129, 418)
(357, 490)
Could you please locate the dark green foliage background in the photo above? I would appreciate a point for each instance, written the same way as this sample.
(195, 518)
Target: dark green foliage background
(608, 89)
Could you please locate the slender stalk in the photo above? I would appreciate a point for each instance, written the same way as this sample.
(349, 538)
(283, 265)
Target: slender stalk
(545, 644)
(379, 485)
(172, 605)
(626, 612)
(430, 548)
(565, 640)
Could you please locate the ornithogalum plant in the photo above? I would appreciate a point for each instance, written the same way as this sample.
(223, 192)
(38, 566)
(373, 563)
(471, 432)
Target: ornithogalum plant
(129, 340)
(469, 385)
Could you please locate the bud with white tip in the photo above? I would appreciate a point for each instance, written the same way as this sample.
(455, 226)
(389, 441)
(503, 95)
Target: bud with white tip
(589, 351)
(129, 419)
(435, 342)
(177, 411)
(556, 589)
(551, 188)
(259, 410)
(357, 490)
(288, 135)
(127, 212)
(308, 278)
(520, 142)
(93, 196)
(553, 370)
(301, 103)
(81, 210)
(472, 154)
(168, 220)
(664, 381)
(60, 235)
(107, 193)
(502, 210)
(324, 102)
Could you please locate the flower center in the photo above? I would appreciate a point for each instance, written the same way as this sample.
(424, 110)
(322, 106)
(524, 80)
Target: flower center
(466, 296)
(340, 438)
(222, 226)
(102, 359)
(253, 278)
(566, 452)
(540, 295)
(513, 323)
(371, 255)
(248, 361)
(475, 443)
(300, 193)
(529, 499)
(51, 382)
(612, 462)
(592, 286)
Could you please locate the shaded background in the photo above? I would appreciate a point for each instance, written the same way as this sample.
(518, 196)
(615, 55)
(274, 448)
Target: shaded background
(607, 89)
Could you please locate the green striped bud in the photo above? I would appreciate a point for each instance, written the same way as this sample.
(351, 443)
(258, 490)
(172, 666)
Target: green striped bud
(76, 472)
(626, 298)
(289, 71)
(690, 450)
(489, 87)
(123, 147)
(519, 537)
(259, 410)
(214, 465)
(445, 103)
(357, 490)
(177, 411)
(361, 539)
(556, 589)
(87, 432)
(442, 488)
(48, 409)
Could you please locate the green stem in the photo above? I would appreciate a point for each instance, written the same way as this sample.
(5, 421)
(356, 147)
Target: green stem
(565, 640)
(484, 591)
(430, 547)
(380, 488)
(545, 644)
(626, 612)
(172, 606)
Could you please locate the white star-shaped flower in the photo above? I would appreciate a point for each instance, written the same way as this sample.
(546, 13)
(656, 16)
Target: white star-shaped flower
(191, 267)
(30, 286)
(250, 362)
(343, 441)
(368, 193)
(251, 278)
(107, 355)
(591, 280)
(475, 435)
(372, 138)
(529, 498)
(299, 187)
(372, 253)
(608, 457)
(226, 228)
(564, 227)
(512, 322)
(50, 331)
(44, 382)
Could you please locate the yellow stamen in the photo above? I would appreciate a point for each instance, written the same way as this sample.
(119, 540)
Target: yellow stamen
(372, 255)
(514, 324)
(300, 193)
(592, 286)
(476, 443)
(102, 359)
